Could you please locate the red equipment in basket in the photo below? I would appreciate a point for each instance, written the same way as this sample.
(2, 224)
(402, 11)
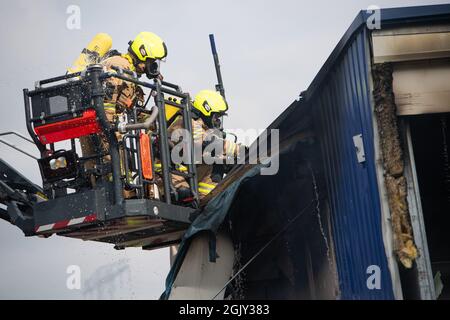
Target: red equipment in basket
(69, 129)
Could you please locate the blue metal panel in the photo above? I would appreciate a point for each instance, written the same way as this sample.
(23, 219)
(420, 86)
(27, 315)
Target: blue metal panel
(342, 109)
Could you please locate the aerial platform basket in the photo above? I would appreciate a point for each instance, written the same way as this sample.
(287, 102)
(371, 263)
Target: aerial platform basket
(110, 195)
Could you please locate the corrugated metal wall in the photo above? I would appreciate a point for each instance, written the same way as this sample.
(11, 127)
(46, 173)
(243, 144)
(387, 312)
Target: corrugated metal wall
(341, 109)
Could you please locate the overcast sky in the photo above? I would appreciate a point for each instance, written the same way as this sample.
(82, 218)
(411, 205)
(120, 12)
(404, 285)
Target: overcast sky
(269, 51)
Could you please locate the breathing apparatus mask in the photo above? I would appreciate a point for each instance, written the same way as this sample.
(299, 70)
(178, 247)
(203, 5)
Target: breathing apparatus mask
(152, 68)
(216, 120)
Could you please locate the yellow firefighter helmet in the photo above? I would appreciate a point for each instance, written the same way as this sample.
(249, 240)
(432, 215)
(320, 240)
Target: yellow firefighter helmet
(148, 45)
(209, 102)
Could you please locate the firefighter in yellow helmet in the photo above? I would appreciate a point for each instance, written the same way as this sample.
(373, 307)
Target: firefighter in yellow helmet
(208, 108)
(143, 56)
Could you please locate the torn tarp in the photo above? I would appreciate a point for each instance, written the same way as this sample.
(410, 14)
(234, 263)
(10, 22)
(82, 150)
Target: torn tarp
(212, 216)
